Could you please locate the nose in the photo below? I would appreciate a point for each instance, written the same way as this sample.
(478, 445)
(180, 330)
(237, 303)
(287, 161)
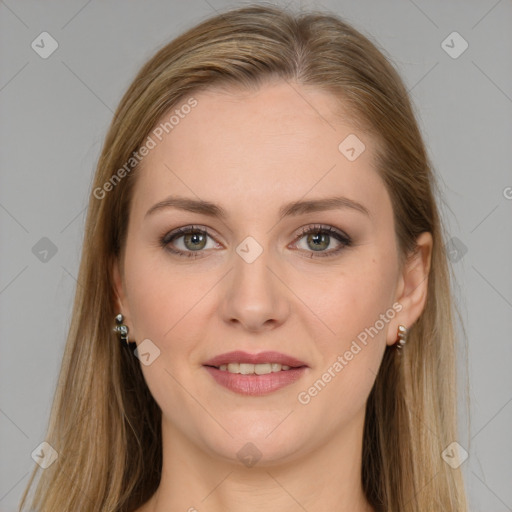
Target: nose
(254, 296)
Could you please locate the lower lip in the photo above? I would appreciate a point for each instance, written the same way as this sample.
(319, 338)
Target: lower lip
(256, 385)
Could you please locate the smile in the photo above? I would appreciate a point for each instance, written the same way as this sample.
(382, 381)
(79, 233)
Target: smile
(250, 369)
(252, 374)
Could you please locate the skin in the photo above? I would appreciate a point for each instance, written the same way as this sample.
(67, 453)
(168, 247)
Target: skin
(251, 152)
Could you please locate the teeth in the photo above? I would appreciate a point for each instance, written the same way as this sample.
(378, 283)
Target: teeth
(250, 369)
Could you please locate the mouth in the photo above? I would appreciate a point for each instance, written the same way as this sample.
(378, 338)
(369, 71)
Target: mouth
(255, 374)
(253, 369)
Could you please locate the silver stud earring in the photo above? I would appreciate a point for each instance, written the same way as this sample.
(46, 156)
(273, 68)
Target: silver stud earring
(402, 337)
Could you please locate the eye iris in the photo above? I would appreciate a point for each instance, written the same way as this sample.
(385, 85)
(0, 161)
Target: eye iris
(195, 238)
(320, 240)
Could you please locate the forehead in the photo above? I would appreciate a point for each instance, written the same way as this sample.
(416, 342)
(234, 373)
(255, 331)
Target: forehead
(259, 147)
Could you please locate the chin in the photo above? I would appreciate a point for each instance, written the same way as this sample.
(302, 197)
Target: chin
(262, 442)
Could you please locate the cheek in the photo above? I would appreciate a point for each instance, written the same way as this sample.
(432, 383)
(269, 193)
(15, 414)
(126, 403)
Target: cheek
(352, 300)
(354, 311)
(160, 293)
(356, 306)
(155, 294)
(163, 304)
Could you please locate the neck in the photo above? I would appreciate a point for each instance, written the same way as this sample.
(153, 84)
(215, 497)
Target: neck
(326, 478)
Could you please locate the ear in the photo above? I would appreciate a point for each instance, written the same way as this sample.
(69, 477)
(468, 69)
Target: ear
(412, 286)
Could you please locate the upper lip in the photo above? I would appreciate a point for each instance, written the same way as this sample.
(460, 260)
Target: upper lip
(239, 356)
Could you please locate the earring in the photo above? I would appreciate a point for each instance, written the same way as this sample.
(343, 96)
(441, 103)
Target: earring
(402, 337)
(122, 330)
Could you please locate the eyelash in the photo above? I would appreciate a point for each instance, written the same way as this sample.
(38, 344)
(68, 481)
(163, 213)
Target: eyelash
(344, 239)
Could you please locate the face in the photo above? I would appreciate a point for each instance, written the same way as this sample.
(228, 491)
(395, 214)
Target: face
(316, 283)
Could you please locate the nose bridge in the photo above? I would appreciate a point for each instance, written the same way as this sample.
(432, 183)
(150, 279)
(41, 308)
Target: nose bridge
(251, 275)
(251, 264)
(255, 295)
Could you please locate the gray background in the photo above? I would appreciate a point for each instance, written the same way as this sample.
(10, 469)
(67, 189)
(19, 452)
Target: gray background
(55, 113)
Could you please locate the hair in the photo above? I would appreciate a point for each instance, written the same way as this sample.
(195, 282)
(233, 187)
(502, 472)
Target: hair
(105, 424)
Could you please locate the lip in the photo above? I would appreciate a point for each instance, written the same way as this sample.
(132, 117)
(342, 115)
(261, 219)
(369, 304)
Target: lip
(239, 356)
(255, 385)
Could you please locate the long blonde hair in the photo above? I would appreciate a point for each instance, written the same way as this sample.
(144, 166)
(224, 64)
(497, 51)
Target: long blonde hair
(104, 423)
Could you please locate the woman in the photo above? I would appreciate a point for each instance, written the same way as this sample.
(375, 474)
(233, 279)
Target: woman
(265, 319)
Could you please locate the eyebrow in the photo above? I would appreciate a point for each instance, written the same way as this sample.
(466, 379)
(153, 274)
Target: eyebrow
(290, 209)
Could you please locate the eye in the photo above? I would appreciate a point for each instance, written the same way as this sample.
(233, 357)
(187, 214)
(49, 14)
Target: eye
(194, 240)
(190, 241)
(318, 238)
